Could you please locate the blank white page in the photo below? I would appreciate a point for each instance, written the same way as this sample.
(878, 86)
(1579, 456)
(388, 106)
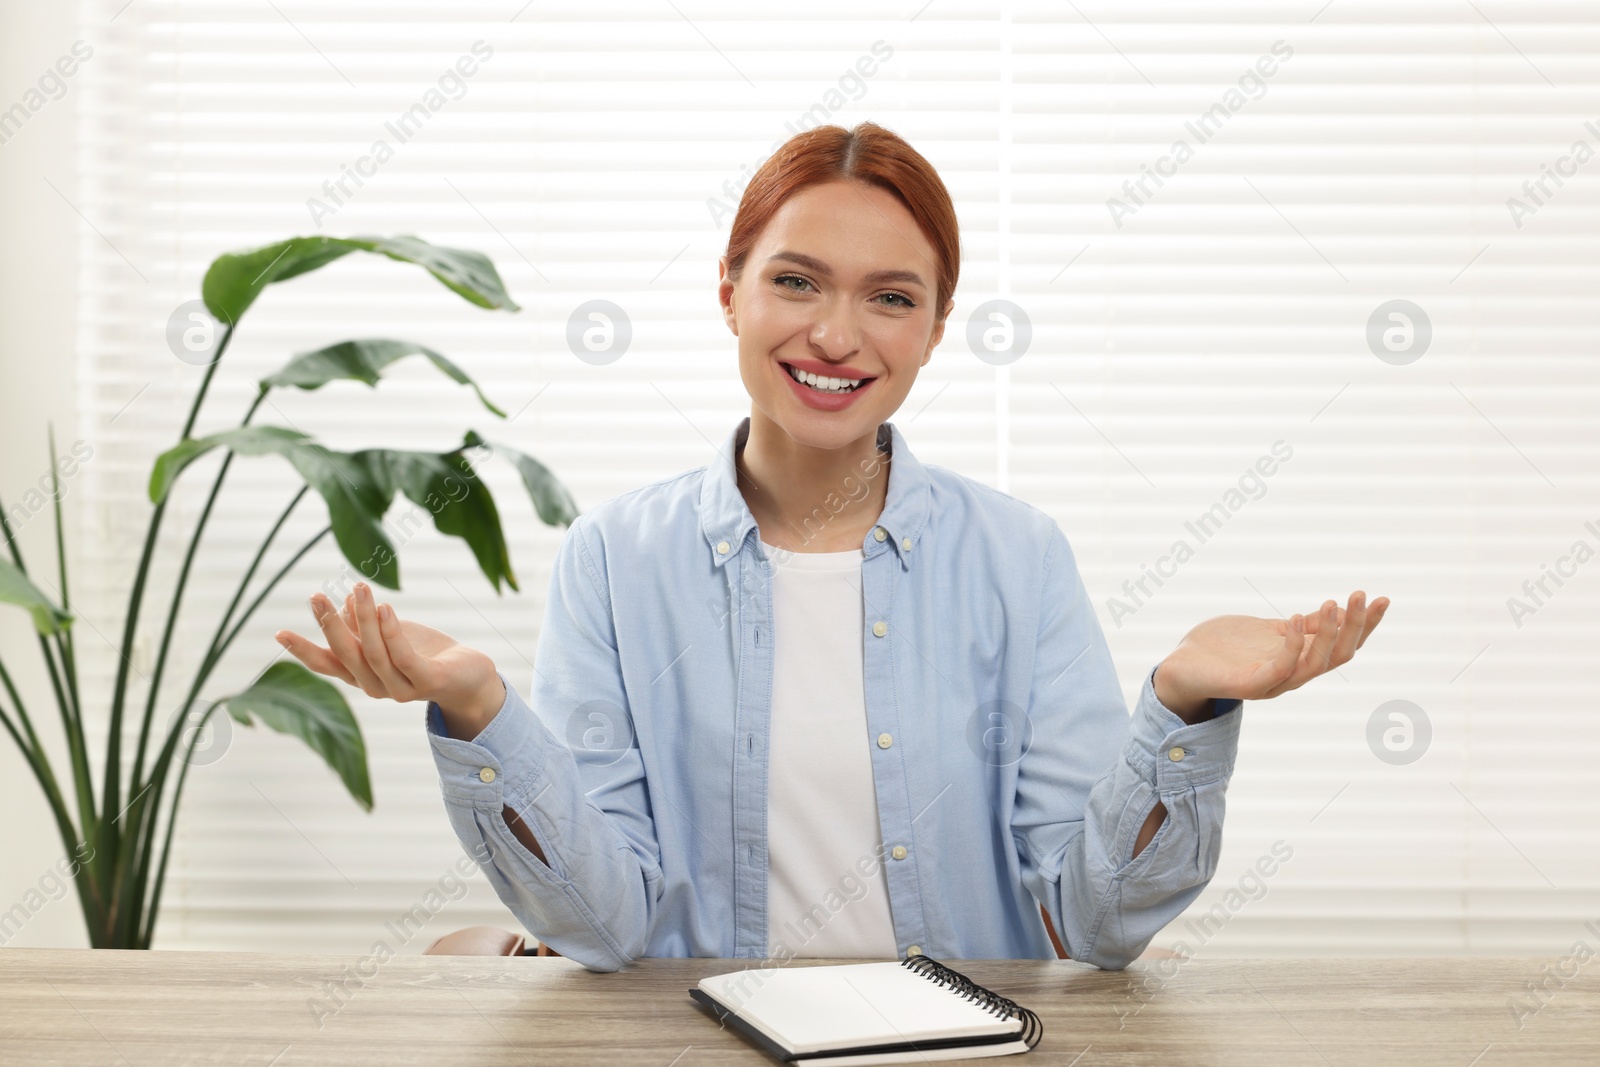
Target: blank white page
(814, 1009)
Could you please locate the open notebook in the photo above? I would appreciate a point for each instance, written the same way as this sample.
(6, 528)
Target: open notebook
(862, 1013)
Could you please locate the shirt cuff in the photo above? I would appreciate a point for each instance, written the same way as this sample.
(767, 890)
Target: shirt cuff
(1176, 755)
(499, 766)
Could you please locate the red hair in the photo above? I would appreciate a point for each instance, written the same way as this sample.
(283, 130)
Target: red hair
(868, 153)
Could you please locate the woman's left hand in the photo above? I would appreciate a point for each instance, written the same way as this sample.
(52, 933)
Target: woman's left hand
(1241, 656)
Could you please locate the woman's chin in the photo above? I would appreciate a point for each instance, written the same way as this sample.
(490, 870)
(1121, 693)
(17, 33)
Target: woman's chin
(826, 429)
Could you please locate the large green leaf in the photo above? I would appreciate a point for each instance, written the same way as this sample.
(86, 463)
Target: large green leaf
(291, 700)
(356, 499)
(359, 488)
(15, 588)
(460, 503)
(235, 279)
(246, 440)
(362, 361)
(551, 499)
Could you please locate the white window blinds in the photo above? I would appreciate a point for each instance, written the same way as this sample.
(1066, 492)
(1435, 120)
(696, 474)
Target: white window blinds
(1205, 217)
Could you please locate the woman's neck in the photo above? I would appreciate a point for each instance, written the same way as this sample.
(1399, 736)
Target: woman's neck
(807, 499)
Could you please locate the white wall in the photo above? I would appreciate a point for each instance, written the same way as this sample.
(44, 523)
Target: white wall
(38, 272)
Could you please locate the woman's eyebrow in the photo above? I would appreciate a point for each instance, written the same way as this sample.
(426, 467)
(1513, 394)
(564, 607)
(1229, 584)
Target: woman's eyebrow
(814, 264)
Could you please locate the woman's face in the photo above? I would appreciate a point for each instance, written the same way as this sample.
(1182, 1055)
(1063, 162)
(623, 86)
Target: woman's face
(840, 283)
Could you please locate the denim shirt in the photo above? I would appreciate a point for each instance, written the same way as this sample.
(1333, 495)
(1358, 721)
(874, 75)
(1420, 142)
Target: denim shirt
(1007, 769)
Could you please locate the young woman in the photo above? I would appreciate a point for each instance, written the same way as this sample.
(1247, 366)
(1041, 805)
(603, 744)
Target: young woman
(816, 698)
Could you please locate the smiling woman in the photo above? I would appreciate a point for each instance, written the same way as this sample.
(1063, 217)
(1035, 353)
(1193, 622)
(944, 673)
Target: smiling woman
(838, 287)
(899, 731)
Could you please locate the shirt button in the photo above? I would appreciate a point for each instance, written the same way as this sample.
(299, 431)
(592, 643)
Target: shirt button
(884, 740)
(486, 775)
(722, 547)
(914, 950)
(1176, 754)
(906, 544)
(899, 852)
(880, 628)
(880, 533)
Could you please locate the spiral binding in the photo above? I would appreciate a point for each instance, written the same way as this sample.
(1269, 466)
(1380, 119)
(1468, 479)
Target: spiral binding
(932, 969)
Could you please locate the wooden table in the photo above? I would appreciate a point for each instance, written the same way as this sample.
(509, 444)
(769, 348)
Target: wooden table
(164, 1009)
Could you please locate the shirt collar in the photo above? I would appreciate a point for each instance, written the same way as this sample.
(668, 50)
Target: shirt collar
(726, 521)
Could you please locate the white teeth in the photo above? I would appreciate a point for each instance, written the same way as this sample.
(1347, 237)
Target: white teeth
(824, 384)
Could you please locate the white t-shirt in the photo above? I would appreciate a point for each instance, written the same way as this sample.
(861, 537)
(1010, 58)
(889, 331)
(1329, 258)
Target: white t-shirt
(822, 810)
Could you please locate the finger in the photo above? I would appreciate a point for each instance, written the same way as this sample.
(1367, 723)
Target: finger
(1375, 615)
(1327, 631)
(314, 656)
(344, 644)
(1351, 625)
(1317, 620)
(373, 648)
(1294, 641)
(1283, 665)
(405, 658)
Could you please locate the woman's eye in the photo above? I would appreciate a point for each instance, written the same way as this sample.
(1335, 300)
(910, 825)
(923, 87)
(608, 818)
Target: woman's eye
(782, 281)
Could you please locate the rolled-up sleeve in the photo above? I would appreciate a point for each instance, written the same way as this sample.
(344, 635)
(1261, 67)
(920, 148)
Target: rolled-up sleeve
(595, 900)
(1092, 776)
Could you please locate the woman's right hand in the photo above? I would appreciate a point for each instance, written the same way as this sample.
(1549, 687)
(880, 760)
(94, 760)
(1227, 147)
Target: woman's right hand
(370, 648)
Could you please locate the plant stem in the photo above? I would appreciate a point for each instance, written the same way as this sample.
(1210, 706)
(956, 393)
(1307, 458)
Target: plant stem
(145, 813)
(69, 657)
(22, 715)
(130, 874)
(108, 851)
(144, 844)
(39, 762)
(34, 753)
(71, 716)
(72, 727)
(177, 598)
(250, 572)
(5, 720)
(11, 540)
(256, 603)
(219, 647)
(40, 766)
(244, 584)
(77, 743)
(154, 910)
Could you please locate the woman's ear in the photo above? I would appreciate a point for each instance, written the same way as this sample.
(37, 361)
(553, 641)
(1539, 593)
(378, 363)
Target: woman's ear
(938, 331)
(725, 290)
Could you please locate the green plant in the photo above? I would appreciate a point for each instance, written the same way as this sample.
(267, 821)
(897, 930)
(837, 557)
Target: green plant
(122, 836)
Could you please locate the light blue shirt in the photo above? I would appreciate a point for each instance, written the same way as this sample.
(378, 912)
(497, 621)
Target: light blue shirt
(1007, 769)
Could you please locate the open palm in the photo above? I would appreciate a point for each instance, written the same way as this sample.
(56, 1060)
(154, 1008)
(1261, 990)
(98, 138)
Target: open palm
(1250, 658)
(371, 648)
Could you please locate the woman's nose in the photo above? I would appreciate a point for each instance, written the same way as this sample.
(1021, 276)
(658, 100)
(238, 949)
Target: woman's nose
(835, 334)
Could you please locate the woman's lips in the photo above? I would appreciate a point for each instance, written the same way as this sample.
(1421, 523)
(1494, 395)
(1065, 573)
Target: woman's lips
(823, 401)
